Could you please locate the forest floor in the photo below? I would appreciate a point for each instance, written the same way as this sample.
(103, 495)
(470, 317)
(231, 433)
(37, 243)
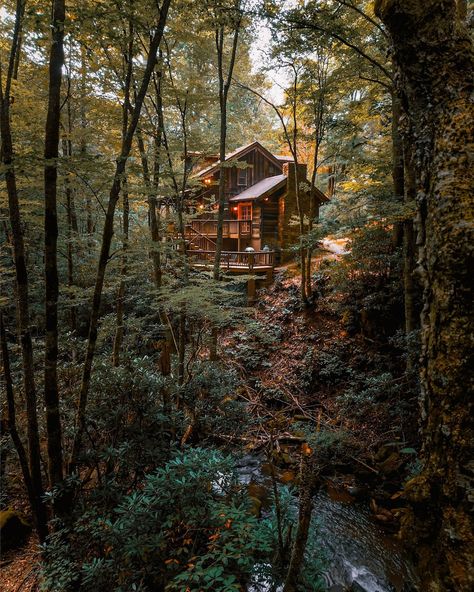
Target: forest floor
(18, 568)
(296, 365)
(304, 368)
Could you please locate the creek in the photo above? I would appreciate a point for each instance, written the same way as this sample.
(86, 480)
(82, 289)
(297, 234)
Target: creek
(357, 554)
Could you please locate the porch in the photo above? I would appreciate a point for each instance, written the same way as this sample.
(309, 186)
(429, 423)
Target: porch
(235, 261)
(230, 229)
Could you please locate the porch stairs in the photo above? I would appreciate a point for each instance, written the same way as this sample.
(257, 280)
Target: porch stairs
(197, 241)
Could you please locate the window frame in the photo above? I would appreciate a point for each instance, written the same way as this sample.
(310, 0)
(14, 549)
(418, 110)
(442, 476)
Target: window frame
(246, 177)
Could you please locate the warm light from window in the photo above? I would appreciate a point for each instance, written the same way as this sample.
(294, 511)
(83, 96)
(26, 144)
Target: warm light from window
(207, 181)
(201, 206)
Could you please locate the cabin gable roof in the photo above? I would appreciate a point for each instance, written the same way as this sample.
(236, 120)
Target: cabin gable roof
(240, 153)
(261, 189)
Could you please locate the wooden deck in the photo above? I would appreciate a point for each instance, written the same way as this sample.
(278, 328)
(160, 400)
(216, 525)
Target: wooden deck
(230, 228)
(235, 261)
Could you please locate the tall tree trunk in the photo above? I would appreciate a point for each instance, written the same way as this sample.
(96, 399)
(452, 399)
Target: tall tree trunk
(224, 87)
(11, 417)
(51, 154)
(72, 229)
(434, 53)
(152, 189)
(307, 491)
(119, 331)
(412, 320)
(398, 169)
(83, 142)
(23, 315)
(108, 231)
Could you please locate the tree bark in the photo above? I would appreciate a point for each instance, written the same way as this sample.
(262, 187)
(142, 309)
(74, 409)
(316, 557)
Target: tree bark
(83, 143)
(72, 229)
(119, 330)
(434, 53)
(398, 169)
(51, 154)
(412, 320)
(126, 107)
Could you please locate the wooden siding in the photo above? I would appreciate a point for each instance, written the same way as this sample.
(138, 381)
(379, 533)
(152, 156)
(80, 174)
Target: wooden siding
(256, 221)
(270, 215)
(259, 167)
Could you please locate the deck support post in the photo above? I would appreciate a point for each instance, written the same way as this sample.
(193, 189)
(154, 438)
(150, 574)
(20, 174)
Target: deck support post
(269, 277)
(251, 291)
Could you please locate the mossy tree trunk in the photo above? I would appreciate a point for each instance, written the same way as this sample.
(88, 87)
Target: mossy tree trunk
(434, 54)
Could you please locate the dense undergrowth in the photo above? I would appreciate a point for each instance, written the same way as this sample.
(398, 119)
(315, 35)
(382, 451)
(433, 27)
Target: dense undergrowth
(157, 503)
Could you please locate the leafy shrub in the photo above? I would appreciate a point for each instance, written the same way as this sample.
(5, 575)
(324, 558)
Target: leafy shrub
(368, 281)
(129, 431)
(210, 395)
(188, 527)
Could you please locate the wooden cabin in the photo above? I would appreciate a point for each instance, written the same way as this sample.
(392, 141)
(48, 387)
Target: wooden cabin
(260, 192)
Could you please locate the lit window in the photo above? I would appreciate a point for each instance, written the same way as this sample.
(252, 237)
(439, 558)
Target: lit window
(242, 177)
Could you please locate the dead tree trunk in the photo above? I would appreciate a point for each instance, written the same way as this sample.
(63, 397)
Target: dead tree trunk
(434, 53)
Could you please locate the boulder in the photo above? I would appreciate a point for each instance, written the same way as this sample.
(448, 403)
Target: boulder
(14, 529)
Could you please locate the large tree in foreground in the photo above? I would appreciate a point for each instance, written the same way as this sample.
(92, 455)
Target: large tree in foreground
(434, 53)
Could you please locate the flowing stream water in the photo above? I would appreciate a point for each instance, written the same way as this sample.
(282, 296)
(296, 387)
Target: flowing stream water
(358, 555)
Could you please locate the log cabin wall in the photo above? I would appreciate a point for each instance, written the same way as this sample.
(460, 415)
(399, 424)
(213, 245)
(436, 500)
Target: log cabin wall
(269, 225)
(256, 241)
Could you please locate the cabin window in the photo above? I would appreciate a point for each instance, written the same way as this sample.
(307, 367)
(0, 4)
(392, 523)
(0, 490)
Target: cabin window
(242, 177)
(245, 218)
(245, 211)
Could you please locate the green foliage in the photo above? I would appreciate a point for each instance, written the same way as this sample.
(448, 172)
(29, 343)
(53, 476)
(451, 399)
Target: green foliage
(187, 526)
(211, 395)
(368, 283)
(252, 344)
(369, 390)
(129, 429)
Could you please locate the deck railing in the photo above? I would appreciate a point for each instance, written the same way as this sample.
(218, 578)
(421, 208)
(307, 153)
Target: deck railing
(230, 229)
(251, 260)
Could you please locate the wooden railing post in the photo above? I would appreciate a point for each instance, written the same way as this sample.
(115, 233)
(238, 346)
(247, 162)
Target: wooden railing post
(251, 259)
